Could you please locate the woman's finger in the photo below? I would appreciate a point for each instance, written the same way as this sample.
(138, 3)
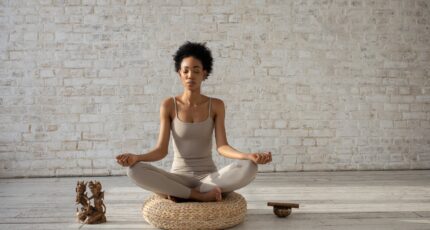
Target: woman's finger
(257, 158)
(268, 157)
(263, 159)
(264, 156)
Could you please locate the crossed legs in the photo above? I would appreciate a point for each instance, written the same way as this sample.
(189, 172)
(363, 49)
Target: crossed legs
(232, 177)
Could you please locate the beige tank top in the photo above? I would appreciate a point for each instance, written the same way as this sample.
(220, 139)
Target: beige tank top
(192, 146)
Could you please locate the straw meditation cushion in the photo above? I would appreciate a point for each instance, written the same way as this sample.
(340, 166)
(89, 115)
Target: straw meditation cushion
(166, 214)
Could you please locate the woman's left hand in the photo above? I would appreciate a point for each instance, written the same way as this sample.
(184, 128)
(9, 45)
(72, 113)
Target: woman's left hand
(261, 158)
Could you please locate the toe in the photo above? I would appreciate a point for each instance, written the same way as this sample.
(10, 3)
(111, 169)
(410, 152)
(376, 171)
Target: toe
(218, 194)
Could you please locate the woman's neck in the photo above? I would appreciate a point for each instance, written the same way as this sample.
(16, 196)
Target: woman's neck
(191, 98)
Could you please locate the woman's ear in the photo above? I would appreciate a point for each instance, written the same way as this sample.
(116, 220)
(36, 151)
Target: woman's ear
(205, 75)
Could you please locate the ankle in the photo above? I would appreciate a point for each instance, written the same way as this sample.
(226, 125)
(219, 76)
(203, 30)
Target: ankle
(195, 194)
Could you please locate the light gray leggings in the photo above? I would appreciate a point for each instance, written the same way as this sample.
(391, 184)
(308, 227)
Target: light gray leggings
(233, 176)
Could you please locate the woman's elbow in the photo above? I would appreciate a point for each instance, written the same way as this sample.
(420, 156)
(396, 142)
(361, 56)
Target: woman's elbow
(162, 153)
(220, 149)
(220, 152)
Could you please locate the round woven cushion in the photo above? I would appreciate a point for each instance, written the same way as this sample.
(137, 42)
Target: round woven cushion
(166, 214)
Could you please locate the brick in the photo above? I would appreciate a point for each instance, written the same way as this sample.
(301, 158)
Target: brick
(295, 133)
(267, 132)
(322, 133)
(77, 64)
(295, 141)
(309, 141)
(386, 124)
(414, 115)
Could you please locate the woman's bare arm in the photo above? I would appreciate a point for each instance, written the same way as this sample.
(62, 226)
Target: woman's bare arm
(161, 149)
(223, 147)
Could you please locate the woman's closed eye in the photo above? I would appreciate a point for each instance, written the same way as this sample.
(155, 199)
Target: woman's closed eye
(196, 72)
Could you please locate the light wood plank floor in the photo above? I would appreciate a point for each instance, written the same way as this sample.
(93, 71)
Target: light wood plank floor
(328, 200)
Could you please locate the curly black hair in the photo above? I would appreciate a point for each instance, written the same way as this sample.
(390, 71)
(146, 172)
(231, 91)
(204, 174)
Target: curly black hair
(196, 50)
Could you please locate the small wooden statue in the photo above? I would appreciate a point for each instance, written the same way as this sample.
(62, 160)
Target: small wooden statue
(90, 214)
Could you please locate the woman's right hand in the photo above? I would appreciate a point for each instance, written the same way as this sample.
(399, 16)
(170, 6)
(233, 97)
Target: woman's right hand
(127, 159)
(261, 158)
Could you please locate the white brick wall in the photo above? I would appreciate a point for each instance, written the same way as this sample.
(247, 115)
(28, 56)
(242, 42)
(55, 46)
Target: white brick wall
(324, 85)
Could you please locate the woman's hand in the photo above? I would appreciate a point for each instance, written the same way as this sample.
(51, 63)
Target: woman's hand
(261, 158)
(127, 159)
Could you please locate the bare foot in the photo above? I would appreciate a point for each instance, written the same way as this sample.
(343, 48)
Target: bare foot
(172, 198)
(213, 195)
(218, 194)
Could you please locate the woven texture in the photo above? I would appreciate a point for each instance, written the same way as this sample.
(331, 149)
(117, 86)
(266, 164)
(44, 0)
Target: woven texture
(166, 214)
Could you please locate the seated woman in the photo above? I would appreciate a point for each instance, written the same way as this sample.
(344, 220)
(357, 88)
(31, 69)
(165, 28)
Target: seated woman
(192, 117)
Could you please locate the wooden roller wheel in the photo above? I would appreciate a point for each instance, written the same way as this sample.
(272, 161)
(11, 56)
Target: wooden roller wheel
(282, 209)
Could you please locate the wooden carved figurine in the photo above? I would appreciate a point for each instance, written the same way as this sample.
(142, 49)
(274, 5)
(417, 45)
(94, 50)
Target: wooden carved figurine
(82, 199)
(90, 214)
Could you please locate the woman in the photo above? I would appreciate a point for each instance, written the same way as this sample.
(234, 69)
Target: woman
(191, 117)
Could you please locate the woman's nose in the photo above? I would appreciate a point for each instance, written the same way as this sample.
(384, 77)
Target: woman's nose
(190, 75)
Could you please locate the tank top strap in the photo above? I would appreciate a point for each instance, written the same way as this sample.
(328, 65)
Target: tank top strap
(210, 103)
(176, 109)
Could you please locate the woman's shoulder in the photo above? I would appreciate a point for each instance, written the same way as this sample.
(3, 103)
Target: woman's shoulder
(218, 107)
(167, 103)
(217, 103)
(167, 107)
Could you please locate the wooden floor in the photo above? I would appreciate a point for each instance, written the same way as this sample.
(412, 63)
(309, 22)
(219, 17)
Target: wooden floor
(328, 200)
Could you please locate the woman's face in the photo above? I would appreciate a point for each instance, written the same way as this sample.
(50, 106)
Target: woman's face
(191, 73)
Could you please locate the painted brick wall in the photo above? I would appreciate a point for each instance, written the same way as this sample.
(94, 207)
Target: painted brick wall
(324, 85)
